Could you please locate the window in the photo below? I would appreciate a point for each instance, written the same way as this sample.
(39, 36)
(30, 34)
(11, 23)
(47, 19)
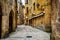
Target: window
(58, 19)
(20, 1)
(27, 9)
(26, 1)
(11, 2)
(38, 5)
(34, 6)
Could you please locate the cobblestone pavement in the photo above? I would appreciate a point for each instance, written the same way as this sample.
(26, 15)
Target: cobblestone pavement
(24, 32)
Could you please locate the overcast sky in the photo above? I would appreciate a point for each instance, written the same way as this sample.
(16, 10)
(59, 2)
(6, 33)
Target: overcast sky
(23, 1)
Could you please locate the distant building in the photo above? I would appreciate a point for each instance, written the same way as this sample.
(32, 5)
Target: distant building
(20, 14)
(36, 7)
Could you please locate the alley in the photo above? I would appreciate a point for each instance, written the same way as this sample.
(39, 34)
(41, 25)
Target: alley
(24, 32)
(29, 19)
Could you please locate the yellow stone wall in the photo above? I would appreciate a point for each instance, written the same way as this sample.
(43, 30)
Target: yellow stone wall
(45, 7)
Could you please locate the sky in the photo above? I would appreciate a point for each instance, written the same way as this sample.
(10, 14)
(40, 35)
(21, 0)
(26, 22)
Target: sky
(23, 2)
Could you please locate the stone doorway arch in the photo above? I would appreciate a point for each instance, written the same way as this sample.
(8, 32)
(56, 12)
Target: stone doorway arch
(11, 21)
(0, 20)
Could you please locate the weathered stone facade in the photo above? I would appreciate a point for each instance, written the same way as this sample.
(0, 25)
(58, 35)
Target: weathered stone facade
(20, 14)
(37, 13)
(36, 7)
(8, 23)
(55, 19)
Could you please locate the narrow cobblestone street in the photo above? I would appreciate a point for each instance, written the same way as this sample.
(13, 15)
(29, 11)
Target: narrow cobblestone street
(24, 32)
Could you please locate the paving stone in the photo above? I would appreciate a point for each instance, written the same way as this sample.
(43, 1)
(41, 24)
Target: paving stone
(23, 31)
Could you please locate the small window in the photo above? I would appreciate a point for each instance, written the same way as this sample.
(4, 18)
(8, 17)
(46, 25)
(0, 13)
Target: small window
(20, 1)
(59, 19)
(34, 6)
(11, 1)
(27, 10)
(38, 5)
(26, 1)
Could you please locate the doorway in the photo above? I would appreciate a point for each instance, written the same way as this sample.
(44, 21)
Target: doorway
(0, 20)
(11, 21)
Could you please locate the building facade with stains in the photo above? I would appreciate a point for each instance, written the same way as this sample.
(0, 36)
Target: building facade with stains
(38, 12)
(7, 17)
(55, 19)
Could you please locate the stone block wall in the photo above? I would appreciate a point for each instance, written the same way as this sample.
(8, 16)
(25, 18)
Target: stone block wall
(45, 20)
(55, 19)
(20, 14)
(7, 6)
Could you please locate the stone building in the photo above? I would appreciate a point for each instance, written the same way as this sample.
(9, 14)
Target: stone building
(26, 12)
(29, 10)
(33, 11)
(55, 19)
(7, 17)
(20, 14)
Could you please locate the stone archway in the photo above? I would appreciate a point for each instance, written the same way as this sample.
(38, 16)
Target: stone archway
(10, 21)
(0, 20)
